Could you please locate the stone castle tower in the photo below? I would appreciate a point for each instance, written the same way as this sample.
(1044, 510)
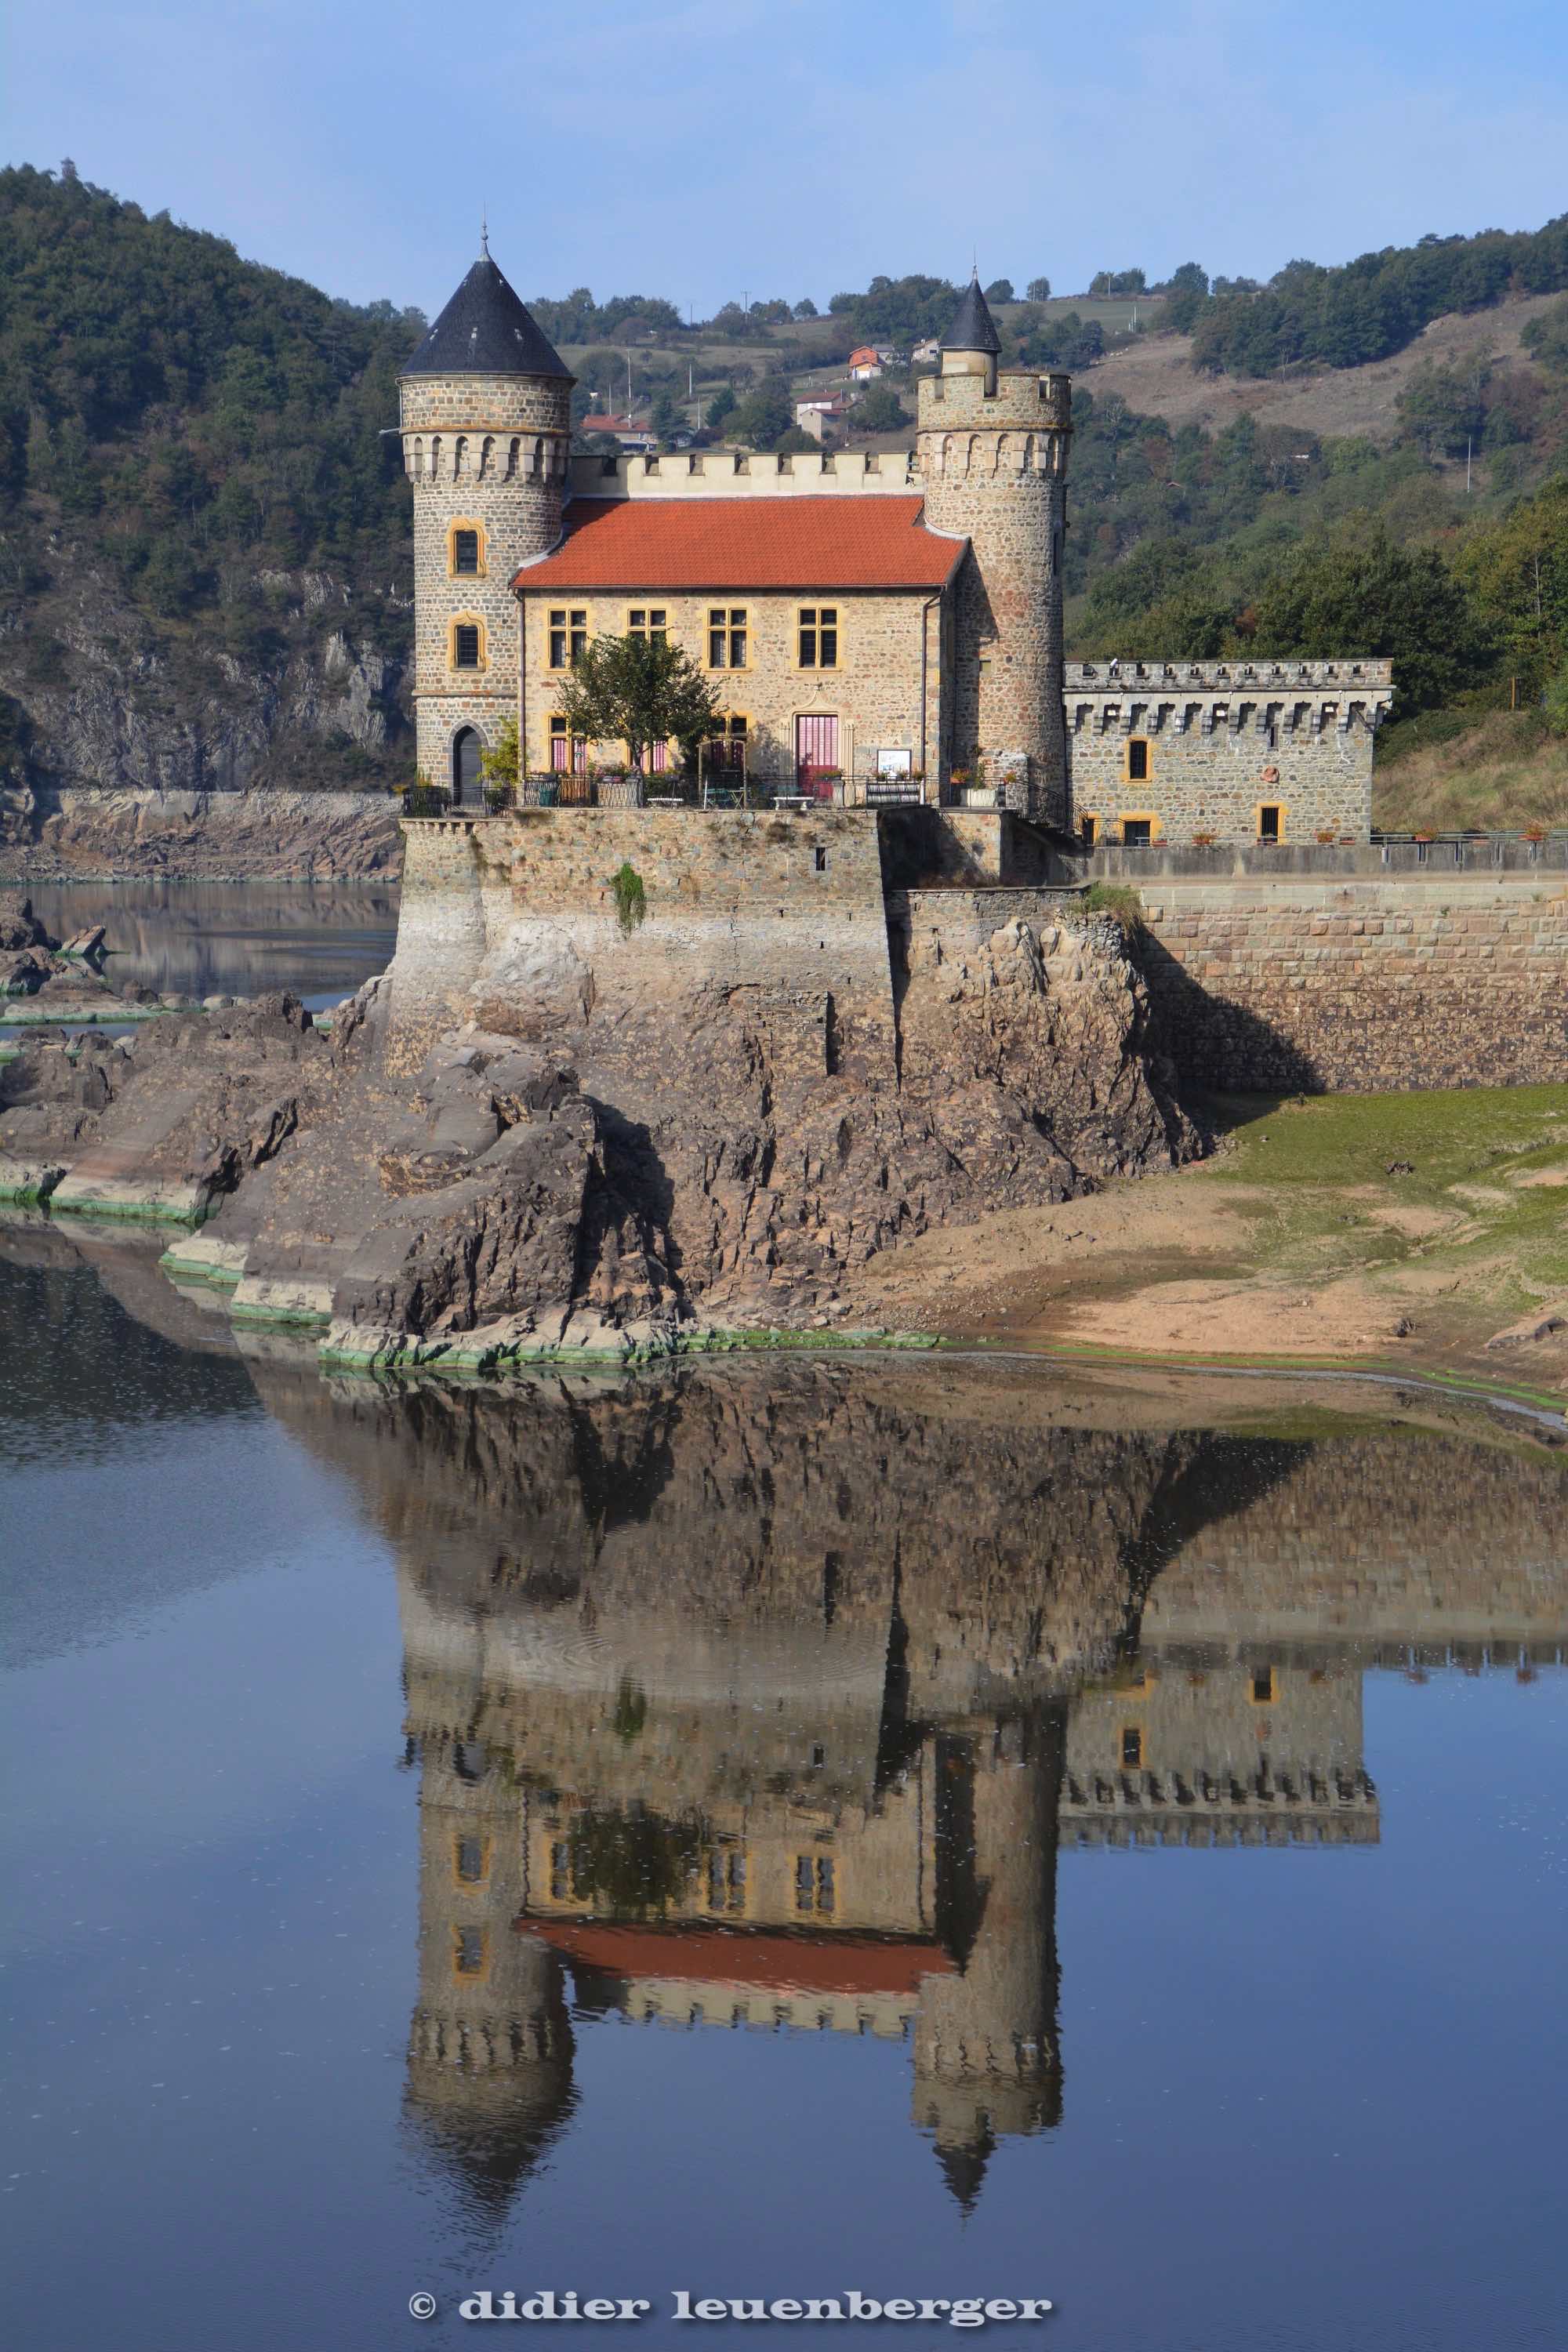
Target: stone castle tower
(992, 461)
(486, 420)
(987, 2051)
(489, 2053)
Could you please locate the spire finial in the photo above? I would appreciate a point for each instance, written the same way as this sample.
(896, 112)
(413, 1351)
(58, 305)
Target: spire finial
(485, 231)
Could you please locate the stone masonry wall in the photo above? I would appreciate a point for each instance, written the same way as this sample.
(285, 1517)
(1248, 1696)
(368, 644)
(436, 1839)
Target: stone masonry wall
(788, 910)
(1220, 742)
(875, 691)
(1323, 984)
(489, 452)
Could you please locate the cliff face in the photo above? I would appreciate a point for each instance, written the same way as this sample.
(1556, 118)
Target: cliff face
(308, 692)
(136, 835)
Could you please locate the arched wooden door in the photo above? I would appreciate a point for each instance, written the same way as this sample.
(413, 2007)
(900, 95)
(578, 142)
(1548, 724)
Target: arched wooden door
(466, 770)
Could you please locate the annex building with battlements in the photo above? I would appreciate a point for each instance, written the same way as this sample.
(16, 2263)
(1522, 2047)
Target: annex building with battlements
(873, 626)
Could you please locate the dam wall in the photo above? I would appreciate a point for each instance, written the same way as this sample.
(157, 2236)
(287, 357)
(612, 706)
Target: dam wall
(1319, 983)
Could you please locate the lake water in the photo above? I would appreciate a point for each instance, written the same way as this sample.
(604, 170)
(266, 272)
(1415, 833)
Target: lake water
(935, 1829)
(232, 939)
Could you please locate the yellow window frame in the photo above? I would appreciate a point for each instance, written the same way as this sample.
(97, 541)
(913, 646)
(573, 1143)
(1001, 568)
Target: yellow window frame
(817, 626)
(570, 629)
(467, 621)
(813, 1907)
(1150, 818)
(648, 628)
(467, 522)
(460, 1837)
(728, 621)
(1257, 809)
(556, 725)
(460, 1975)
(1127, 775)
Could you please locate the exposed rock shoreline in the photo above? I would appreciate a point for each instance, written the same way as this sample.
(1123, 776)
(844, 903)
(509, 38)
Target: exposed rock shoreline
(577, 1170)
(133, 835)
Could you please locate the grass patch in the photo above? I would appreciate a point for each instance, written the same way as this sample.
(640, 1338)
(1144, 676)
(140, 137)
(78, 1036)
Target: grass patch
(1118, 901)
(1376, 1181)
(1446, 772)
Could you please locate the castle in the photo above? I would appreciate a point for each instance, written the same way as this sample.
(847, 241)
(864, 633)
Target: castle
(875, 626)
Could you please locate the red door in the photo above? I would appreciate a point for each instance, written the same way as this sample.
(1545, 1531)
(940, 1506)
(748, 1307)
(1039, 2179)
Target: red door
(815, 751)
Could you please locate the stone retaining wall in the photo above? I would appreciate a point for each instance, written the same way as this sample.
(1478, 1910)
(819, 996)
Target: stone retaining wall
(786, 911)
(1324, 985)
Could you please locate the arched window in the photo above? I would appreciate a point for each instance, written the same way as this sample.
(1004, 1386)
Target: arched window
(467, 747)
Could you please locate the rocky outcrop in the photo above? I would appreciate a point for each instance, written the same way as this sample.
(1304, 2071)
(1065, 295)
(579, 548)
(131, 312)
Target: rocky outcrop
(164, 1124)
(126, 833)
(605, 1149)
(60, 980)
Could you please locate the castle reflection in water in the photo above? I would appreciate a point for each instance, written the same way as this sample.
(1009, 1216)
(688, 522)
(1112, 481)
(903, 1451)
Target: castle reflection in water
(767, 1698)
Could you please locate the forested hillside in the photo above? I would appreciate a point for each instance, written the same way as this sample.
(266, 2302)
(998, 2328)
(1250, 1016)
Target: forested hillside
(204, 557)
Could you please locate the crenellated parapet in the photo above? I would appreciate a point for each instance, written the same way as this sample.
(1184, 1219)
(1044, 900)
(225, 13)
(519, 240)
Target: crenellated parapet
(747, 474)
(1224, 677)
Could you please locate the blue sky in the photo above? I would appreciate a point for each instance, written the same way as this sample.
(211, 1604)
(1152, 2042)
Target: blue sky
(707, 149)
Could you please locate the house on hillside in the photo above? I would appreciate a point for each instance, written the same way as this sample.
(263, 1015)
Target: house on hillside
(635, 434)
(824, 416)
(864, 364)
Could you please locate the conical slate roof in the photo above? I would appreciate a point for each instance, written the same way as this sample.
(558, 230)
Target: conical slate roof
(974, 329)
(486, 331)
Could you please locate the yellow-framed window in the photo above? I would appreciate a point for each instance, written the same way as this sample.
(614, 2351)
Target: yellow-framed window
(563, 1885)
(1137, 763)
(728, 739)
(467, 648)
(471, 1951)
(816, 636)
(1129, 1747)
(727, 1879)
(1262, 1688)
(567, 634)
(568, 752)
(1139, 827)
(649, 622)
(816, 1892)
(1270, 819)
(470, 1859)
(466, 550)
(729, 636)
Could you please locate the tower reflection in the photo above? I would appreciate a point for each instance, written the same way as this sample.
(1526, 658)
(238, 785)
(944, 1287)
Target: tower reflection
(770, 1701)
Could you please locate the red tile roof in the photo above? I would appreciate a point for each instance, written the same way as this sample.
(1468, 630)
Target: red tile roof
(844, 1962)
(860, 540)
